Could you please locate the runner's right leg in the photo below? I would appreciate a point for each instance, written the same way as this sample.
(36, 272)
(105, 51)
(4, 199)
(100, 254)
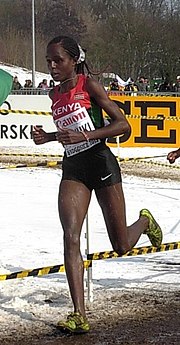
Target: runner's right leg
(73, 202)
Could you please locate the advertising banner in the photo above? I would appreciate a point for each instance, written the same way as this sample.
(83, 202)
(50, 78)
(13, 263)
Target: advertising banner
(154, 120)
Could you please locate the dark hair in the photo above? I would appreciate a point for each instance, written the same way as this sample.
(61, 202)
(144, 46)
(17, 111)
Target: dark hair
(68, 43)
(71, 47)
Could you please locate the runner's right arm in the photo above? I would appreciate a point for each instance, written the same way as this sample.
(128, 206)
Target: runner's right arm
(41, 137)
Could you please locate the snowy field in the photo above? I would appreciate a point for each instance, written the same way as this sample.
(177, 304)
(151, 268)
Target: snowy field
(32, 234)
(31, 237)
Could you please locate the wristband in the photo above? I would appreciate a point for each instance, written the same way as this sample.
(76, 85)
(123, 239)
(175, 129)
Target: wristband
(85, 135)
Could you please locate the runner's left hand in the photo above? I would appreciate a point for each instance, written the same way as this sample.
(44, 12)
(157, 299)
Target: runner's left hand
(69, 136)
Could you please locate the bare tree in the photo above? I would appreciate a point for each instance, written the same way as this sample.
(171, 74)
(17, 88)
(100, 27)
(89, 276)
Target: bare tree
(131, 37)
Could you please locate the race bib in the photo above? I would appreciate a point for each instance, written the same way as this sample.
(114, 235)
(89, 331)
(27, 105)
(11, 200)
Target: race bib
(79, 120)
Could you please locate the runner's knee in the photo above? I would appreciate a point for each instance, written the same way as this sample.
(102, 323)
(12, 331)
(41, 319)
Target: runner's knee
(121, 249)
(71, 241)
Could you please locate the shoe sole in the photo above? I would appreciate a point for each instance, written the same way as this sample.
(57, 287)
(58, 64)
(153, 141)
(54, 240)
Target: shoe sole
(67, 330)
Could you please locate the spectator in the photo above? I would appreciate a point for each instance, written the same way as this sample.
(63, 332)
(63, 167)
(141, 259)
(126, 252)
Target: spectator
(177, 84)
(114, 86)
(146, 82)
(28, 85)
(142, 84)
(156, 87)
(16, 84)
(165, 87)
(43, 86)
(173, 155)
(131, 86)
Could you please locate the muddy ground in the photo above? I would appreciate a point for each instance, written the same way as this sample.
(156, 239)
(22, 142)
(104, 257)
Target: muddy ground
(128, 317)
(117, 318)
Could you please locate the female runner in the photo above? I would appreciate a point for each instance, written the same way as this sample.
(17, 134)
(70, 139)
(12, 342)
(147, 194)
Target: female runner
(88, 164)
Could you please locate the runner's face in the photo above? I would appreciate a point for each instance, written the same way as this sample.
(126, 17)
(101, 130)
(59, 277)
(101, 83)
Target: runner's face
(60, 64)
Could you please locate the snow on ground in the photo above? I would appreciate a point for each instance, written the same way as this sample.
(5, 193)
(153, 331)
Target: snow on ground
(31, 237)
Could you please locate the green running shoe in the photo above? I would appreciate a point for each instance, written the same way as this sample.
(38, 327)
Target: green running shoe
(75, 323)
(154, 231)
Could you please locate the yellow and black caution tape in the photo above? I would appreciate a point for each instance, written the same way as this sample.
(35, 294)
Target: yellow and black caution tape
(28, 112)
(59, 156)
(50, 164)
(34, 112)
(138, 158)
(161, 164)
(169, 118)
(135, 251)
(30, 155)
(36, 272)
(90, 257)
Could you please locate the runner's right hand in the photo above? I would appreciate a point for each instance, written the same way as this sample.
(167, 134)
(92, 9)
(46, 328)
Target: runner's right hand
(39, 135)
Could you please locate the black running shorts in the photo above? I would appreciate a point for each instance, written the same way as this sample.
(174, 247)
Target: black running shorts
(95, 168)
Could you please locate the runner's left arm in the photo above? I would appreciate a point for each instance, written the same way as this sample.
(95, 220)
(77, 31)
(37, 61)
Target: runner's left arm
(119, 124)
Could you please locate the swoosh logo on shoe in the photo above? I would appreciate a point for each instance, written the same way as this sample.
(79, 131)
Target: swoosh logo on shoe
(105, 177)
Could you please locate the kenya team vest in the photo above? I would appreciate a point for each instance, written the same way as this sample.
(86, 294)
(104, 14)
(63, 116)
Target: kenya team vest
(75, 110)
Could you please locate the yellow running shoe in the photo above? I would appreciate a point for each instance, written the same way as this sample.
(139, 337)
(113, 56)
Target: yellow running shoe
(75, 323)
(154, 231)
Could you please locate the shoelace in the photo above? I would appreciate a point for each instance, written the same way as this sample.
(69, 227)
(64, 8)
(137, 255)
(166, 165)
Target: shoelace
(76, 317)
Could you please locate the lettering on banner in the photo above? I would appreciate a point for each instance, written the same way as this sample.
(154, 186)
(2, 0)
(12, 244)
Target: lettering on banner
(16, 131)
(144, 105)
(126, 107)
(156, 140)
(158, 123)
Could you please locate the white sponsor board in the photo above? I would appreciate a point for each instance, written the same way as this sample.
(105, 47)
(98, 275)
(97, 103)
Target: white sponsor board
(29, 102)
(15, 129)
